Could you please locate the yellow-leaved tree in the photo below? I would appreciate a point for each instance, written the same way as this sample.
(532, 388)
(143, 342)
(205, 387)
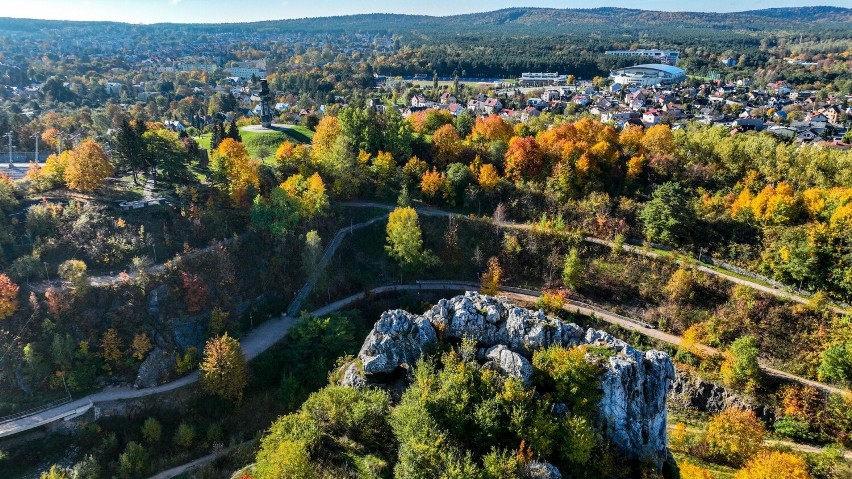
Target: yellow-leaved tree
(492, 278)
(234, 171)
(88, 167)
(405, 239)
(223, 370)
(734, 435)
(772, 465)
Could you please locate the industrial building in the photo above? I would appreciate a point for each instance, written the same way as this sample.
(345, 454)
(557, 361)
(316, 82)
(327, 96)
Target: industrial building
(543, 79)
(663, 56)
(649, 74)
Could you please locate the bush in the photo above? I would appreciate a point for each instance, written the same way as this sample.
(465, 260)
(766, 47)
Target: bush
(794, 428)
(770, 464)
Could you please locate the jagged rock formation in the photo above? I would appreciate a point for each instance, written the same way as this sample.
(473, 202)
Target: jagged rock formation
(631, 412)
(692, 392)
(398, 338)
(156, 369)
(510, 363)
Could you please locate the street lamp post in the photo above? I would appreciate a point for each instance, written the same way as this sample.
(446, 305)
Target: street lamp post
(36, 137)
(9, 136)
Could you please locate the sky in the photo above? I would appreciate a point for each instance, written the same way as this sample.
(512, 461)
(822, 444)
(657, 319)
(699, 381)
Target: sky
(220, 11)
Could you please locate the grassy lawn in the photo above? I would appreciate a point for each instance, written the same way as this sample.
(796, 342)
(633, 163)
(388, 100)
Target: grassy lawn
(255, 141)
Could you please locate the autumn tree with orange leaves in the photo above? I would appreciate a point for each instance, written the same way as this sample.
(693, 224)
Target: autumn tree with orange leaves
(523, 159)
(491, 128)
(432, 183)
(88, 167)
(8, 297)
(194, 292)
(448, 145)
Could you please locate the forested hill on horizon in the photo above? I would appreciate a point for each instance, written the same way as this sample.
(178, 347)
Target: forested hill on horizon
(527, 19)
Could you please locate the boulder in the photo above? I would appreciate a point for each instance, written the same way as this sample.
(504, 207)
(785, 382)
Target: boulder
(511, 363)
(353, 377)
(156, 298)
(398, 338)
(542, 470)
(156, 369)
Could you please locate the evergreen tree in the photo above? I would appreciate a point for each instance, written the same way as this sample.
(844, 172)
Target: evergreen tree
(234, 132)
(129, 148)
(217, 135)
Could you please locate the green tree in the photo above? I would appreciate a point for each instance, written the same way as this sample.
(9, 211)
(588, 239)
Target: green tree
(128, 148)
(405, 240)
(740, 368)
(234, 132)
(312, 253)
(836, 364)
(152, 430)
(133, 462)
(166, 153)
(184, 435)
(669, 217)
(223, 370)
(572, 270)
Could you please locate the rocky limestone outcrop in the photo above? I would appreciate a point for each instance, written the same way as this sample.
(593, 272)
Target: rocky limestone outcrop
(691, 392)
(156, 369)
(631, 412)
(510, 363)
(542, 470)
(398, 338)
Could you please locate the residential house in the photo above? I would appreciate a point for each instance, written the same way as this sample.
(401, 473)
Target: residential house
(447, 98)
(492, 106)
(651, 117)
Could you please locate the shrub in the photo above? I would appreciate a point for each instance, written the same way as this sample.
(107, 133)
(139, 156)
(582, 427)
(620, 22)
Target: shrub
(770, 464)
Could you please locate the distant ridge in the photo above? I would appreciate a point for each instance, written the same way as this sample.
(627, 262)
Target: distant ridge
(526, 17)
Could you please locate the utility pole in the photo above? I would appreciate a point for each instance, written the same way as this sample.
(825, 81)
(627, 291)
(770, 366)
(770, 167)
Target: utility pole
(9, 136)
(36, 136)
(59, 135)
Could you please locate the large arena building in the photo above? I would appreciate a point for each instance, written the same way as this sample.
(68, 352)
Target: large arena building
(648, 75)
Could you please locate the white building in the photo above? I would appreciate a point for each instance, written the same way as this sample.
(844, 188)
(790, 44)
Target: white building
(663, 56)
(542, 79)
(246, 73)
(649, 74)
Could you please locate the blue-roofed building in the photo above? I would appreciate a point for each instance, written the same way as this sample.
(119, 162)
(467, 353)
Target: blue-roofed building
(649, 74)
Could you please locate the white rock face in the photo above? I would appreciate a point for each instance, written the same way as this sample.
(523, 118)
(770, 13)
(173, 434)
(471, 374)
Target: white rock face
(632, 411)
(511, 363)
(492, 321)
(398, 338)
(542, 470)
